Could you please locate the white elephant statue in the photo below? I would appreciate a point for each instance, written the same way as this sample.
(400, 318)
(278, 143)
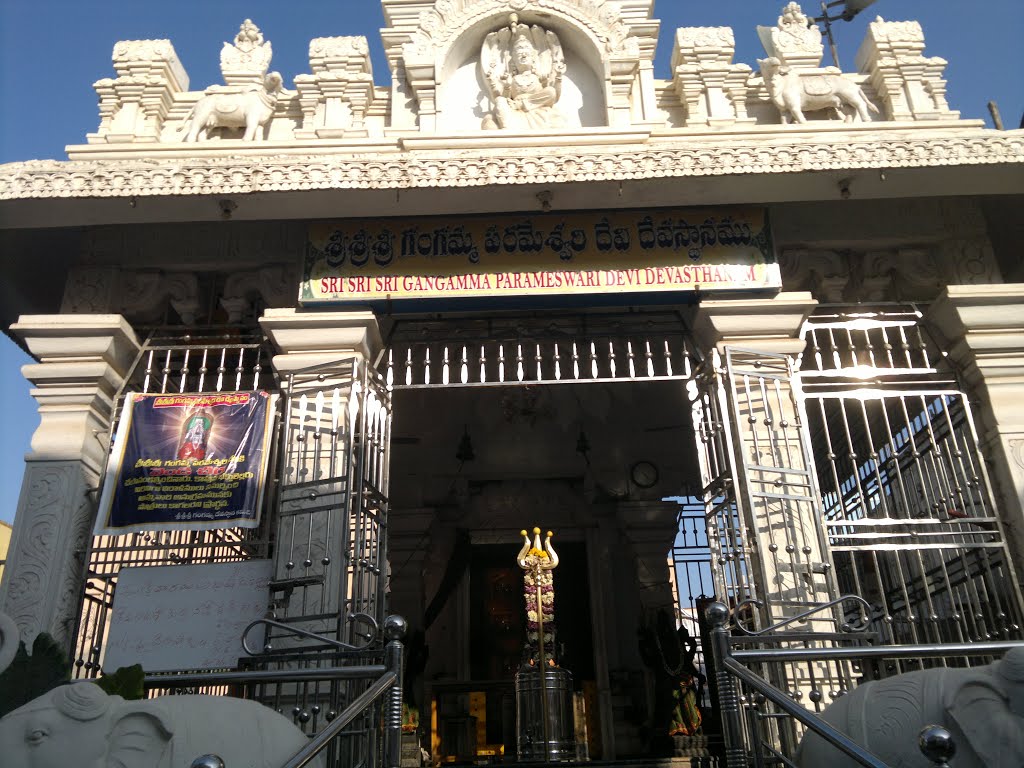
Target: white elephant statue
(79, 724)
(982, 707)
(794, 93)
(234, 109)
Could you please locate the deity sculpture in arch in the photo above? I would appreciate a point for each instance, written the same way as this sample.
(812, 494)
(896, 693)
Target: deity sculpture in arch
(522, 67)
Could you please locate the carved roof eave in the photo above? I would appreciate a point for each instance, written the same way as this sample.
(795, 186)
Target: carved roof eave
(462, 161)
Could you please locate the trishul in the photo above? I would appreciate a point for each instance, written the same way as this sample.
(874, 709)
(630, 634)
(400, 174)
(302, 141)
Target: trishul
(538, 561)
(535, 555)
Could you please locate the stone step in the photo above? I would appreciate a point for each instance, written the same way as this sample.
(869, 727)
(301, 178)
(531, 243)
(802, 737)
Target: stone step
(648, 762)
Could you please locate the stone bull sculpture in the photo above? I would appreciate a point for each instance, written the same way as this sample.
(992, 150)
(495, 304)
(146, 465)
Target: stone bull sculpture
(78, 724)
(250, 110)
(982, 707)
(794, 93)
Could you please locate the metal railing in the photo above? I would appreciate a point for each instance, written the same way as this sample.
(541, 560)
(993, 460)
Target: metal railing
(730, 667)
(386, 686)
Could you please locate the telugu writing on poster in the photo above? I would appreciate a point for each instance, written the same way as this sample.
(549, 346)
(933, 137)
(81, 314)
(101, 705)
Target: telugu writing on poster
(177, 617)
(185, 461)
(544, 254)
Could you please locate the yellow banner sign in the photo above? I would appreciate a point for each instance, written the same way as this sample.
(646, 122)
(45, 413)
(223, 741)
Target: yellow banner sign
(537, 255)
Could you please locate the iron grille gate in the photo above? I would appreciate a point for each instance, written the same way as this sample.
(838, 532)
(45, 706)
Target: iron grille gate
(227, 360)
(871, 444)
(908, 507)
(761, 497)
(859, 473)
(324, 525)
(770, 561)
(331, 555)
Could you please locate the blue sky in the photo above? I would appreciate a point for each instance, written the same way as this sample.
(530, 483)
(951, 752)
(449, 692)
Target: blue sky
(51, 51)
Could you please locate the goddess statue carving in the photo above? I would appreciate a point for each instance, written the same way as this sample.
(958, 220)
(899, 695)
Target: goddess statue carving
(523, 67)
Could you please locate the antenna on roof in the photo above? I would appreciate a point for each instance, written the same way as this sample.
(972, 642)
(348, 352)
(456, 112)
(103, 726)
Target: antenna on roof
(850, 8)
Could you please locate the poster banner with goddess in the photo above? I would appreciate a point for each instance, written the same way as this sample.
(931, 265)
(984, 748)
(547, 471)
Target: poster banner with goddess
(187, 462)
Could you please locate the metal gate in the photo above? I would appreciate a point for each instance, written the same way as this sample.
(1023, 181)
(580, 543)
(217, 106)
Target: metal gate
(769, 553)
(227, 360)
(324, 525)
(908, 506)
(331, 521)
(847, 502)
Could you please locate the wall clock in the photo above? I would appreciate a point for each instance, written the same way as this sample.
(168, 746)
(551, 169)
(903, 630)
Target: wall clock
(644, 474)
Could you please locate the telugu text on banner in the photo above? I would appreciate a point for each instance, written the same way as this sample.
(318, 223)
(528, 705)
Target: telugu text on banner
(537, 255)
(187, 461)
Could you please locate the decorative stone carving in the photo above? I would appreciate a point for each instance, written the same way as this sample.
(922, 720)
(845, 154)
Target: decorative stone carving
(247, 61)
(824, 273)
(795, 92)
(146, 294)
(983, 705)
(90, 290)
(82, 725)
(794, 40)
(968, 261)
(915, 274)
(336, 97)
(441, 22)
(711, 88)
(476, 166)
(134, 105)
(422, 34)
(251, 110)
(523, 67)
(909, 84)
(44, 565)
(83, 359)
(271, 285)
(141, 296)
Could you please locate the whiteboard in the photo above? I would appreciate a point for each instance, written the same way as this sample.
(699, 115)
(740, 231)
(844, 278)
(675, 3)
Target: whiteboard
(184, 617)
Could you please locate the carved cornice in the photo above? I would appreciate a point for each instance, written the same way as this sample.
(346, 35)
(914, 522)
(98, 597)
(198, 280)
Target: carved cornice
(500, 166)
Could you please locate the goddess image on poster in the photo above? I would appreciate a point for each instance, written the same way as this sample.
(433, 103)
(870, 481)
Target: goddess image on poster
(195, 434)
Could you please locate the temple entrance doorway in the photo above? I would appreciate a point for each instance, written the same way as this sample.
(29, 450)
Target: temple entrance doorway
(579, 436)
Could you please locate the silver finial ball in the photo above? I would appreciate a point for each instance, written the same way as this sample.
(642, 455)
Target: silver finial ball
(208, 761)
(936, 743)
(395, 627)
(717, 614)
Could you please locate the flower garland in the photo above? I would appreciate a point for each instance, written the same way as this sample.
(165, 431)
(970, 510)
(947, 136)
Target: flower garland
(534, 580)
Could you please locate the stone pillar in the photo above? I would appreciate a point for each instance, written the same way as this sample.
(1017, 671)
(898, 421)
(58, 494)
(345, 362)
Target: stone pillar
(982, 329)
(305, 339)
(650, 527)
(83, 360)
(314, 484)
(767, 325)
